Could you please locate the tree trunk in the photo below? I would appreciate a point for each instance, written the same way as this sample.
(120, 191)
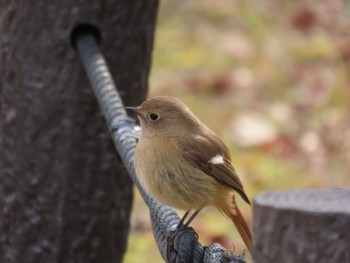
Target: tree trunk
(307, 225)
(63, 196)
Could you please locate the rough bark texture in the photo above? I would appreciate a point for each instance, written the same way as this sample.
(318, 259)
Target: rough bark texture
(302, 226)
(63, 197)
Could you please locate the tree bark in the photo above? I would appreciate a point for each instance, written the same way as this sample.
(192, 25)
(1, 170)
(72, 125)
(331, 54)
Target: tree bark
(306, 225)
(63, 196)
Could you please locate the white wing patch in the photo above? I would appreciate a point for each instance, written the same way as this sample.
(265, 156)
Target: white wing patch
(217, 159)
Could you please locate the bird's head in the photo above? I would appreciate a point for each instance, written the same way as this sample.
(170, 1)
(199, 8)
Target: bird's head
(165, 116)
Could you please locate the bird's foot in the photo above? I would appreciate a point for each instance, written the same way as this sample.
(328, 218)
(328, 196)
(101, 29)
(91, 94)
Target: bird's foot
(173, 243)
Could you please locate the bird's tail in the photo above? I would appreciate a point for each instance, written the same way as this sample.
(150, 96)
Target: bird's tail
(232, 211)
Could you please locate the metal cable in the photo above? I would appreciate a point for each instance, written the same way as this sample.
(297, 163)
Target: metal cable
(124, 134)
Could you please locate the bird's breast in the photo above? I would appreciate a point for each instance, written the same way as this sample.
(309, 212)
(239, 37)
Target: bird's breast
(168, 178)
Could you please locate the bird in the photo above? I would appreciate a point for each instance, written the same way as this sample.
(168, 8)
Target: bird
(183, 164)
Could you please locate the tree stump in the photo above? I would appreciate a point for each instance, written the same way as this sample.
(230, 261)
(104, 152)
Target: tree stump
(309, 225)
(63, 196)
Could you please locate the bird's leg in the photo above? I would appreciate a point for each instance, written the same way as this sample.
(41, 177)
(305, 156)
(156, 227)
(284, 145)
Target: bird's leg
(171, 252)
(180, 224)
(192, 217)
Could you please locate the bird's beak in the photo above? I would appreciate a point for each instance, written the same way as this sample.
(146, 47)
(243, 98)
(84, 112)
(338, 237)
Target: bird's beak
(134, 109)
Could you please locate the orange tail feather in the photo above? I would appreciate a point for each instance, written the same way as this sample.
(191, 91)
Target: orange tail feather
(237, 218)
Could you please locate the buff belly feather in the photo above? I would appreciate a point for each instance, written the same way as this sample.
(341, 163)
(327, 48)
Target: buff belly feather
(171, 183)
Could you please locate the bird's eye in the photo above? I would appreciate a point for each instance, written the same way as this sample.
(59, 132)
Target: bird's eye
(153, 117)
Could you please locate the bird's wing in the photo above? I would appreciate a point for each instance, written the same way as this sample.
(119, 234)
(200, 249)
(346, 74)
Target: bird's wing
(199, 152)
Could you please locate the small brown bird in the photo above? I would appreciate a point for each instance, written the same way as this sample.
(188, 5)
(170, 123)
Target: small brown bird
(183, 164)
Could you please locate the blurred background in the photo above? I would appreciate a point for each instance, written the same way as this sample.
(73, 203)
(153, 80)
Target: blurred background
(272, 78)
